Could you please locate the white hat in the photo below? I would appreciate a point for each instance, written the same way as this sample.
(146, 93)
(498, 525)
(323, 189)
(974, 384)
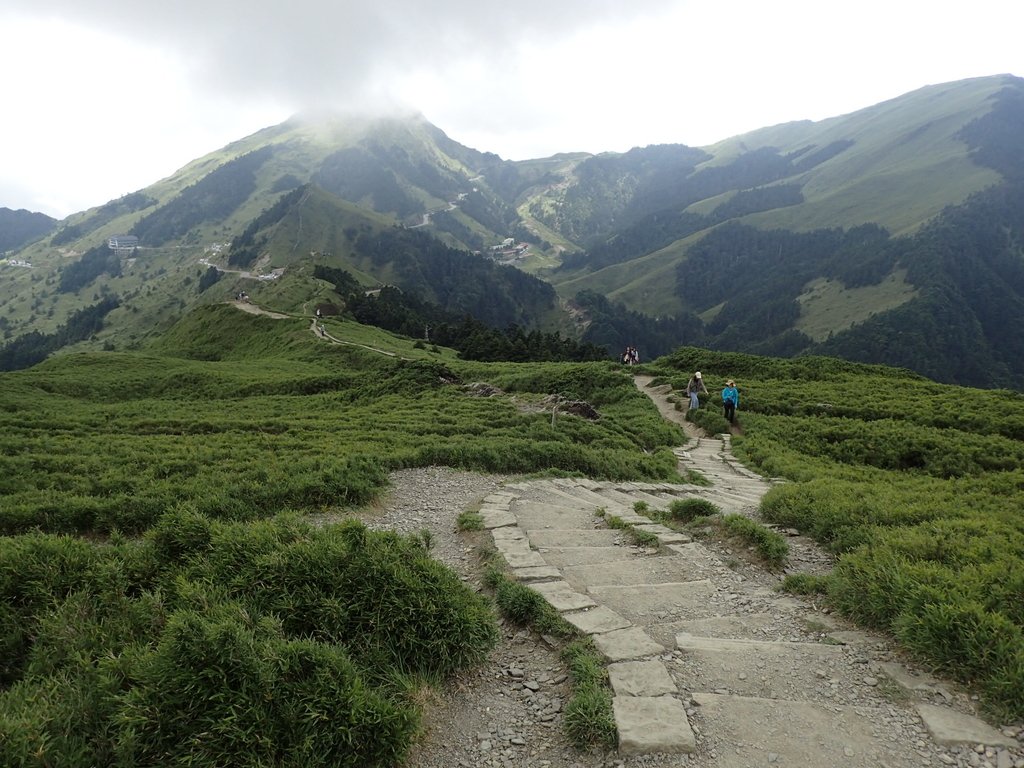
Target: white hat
(697, 374)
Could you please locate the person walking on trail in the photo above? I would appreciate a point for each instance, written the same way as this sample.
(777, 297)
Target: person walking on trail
(693, 386)
(730, 400)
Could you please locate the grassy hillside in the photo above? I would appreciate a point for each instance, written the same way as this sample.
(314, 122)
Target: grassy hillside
(897, 164)
(916, 486)
(158, 586)
(761, 235)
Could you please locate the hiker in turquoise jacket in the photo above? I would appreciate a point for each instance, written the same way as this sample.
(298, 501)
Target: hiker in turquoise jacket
(730, 400)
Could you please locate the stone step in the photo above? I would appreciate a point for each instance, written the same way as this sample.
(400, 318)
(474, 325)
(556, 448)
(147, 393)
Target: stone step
(762, 668)
(644, 603)
(562, 557)
(665, 535)
(615, 496)
(597, 620)
(747, 626)
(761, 731)
(652, 724)
(638, 570)
(562, 596)
(640, 678)
(652, 500)
(626, 644)
(576, 537)
(532, 515)
(577, 498)
(580, 498)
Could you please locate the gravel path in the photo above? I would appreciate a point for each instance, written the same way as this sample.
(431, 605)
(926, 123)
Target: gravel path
(507, 712)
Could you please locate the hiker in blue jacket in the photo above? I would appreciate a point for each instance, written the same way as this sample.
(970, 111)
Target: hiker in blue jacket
(730, 400)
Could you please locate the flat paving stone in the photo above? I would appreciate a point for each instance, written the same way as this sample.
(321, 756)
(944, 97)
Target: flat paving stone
(649, 724)
(908, 680)
(743, 627)
(562, 596)
(950, 727)
(507, 533)
(797, 733)
(497, 519)
(510, 545)
(639, 602)
(639, 570)
(761, 668)
(596, 620)
(640, 678)
(566, 518)
(498, 498)
(572, 556)
(528, 559)
(625, 644)
(575, 537)
(537, 573)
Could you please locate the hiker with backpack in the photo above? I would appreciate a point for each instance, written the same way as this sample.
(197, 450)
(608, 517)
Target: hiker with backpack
(693, 386)
(730, 400)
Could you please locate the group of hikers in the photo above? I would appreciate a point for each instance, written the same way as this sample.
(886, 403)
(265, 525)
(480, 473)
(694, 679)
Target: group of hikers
(630, 356)
(730, 395)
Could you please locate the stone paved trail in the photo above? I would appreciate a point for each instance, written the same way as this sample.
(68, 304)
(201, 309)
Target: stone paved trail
(711, 666)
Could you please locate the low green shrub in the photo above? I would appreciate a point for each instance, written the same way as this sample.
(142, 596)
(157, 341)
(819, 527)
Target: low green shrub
(644, 538)
(689, 509)
(518, 602)
(771, 545)
(223, 691)
(589, 718)
(470, 521)
(213, 643)
(526, 607)
(709, 420)
(805, 584)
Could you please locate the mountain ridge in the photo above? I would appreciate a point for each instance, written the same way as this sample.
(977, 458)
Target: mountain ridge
(620, 224)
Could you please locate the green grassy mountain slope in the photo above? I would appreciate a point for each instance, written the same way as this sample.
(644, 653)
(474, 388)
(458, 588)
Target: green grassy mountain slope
(20, 227)
(794, 238)
(159, 578)
(882, 282)
(897, 164)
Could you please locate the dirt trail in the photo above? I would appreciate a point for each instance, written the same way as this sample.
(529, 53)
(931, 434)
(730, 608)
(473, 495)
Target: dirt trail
(707, 660)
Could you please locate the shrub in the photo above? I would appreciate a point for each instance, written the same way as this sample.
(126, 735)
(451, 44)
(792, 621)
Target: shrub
(222, 691)
(589, 718)
(710, 420)
(770, 544)
(519, 603)
(180, 534)
(805, 584)
(688, 509)
(644, 538)
(470, 521)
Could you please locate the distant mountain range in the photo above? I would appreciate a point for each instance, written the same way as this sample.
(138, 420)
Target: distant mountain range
(17, 228)
(893, 234)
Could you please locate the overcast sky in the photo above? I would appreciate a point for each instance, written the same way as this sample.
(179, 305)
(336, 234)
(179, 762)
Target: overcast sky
(104, 97)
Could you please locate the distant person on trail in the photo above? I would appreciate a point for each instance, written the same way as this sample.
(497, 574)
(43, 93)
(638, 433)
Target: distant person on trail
(693, 386)
(318, 312)
(730, 400)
